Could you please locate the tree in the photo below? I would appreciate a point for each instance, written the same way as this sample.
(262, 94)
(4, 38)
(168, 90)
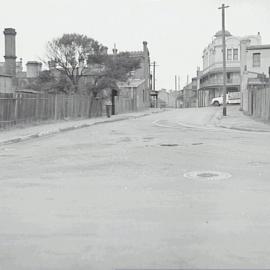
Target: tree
(69, 52)
(46, 82)
(115, 68)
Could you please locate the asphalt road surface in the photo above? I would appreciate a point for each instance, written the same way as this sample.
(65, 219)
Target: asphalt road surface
(115, 196)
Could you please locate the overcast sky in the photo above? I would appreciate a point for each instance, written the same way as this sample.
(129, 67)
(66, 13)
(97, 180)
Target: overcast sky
(176, 30)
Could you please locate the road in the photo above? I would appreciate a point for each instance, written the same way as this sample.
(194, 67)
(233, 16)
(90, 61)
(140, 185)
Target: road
(115, 196)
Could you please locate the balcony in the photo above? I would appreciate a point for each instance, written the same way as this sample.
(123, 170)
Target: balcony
(218, 66)
(219, 82)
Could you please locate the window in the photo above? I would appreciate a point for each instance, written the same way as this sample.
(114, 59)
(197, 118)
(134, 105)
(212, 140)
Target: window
(256, 59)
(229, 77)
(235, 54)
(229, 54)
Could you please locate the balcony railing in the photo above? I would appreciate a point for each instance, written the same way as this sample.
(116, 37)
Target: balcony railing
(218, 82)
(219, 65)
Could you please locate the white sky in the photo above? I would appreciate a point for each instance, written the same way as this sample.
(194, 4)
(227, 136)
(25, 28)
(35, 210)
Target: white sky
(176, 30)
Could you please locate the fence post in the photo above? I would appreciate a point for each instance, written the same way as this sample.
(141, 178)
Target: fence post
(55, 107)
(16, 108)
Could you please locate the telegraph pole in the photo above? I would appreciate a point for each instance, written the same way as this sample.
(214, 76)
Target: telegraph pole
(154, 76)
(224, 59)
(153, 84)
(154, 65)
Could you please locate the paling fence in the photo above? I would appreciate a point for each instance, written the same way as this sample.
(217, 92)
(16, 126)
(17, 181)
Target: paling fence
(259, 102)
(26, 108)
(124, 105)
(203, 98)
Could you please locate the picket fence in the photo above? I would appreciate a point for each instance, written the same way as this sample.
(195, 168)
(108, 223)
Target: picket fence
(28, 107)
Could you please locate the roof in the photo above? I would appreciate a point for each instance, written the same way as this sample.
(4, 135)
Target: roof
(259, 47)
(5, 75)
(34, 63)
(130, 84)
(27, 91)
(219, 34)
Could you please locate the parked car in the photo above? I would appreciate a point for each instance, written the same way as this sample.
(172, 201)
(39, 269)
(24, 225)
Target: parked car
(231, 98)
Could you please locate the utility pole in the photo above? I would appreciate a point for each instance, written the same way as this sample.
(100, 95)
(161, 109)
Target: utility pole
(154, 65)
(224, 59)
(153, 84)
(178, 83)
(175, 82)
(154, 76)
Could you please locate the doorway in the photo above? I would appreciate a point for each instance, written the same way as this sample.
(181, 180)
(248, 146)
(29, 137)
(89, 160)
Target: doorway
(114, 94)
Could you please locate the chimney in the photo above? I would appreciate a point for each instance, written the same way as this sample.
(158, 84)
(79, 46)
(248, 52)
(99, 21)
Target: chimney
(104, 51)
(259, 39)
(81, 64)
(114, 50)
(19, 66)
(33, 68)
(51, 65)
(10, 51)
(146, 65)
(145, 49)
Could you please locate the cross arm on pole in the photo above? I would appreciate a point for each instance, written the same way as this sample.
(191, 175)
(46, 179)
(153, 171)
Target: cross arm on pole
(223, 6)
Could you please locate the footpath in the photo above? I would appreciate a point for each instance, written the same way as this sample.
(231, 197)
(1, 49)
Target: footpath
(237, 120)
(17, 134)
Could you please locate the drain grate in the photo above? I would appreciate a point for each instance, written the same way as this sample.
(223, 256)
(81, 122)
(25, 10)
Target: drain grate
(169, 144)
(207, 175)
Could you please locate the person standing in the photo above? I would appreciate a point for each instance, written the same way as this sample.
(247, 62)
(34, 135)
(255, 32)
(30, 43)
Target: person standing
(108, 104)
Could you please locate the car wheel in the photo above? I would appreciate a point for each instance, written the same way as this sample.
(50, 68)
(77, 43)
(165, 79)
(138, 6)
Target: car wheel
(216, 103)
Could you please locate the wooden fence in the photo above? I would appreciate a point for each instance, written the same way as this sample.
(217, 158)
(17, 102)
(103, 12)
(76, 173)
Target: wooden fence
(259, 103)
(124, 105)
(27, 108)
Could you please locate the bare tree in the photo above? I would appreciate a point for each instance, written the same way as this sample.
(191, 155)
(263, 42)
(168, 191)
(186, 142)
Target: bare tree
(69, 52)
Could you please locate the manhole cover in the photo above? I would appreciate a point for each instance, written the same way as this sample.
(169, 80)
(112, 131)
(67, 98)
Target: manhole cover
(169, 144)
(258, 163)
(207, 175)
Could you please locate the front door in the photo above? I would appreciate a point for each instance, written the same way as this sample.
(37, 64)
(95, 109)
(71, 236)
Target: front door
(114, 94)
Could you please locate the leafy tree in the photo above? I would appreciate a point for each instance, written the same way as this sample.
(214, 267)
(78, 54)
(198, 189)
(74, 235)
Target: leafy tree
(115, 68)
(46, 82)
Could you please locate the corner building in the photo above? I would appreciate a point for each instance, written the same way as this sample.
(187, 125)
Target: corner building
(211, 76)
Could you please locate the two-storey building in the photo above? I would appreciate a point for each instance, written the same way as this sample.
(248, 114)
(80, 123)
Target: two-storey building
(211, 76)
(255, 72)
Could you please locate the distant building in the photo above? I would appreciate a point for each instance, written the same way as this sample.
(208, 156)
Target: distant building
(167, 98)
(190, 94)
(255, 71)
(142, 74)
(211, 76)
(130, 97)
(138, 84)
(12, 76)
